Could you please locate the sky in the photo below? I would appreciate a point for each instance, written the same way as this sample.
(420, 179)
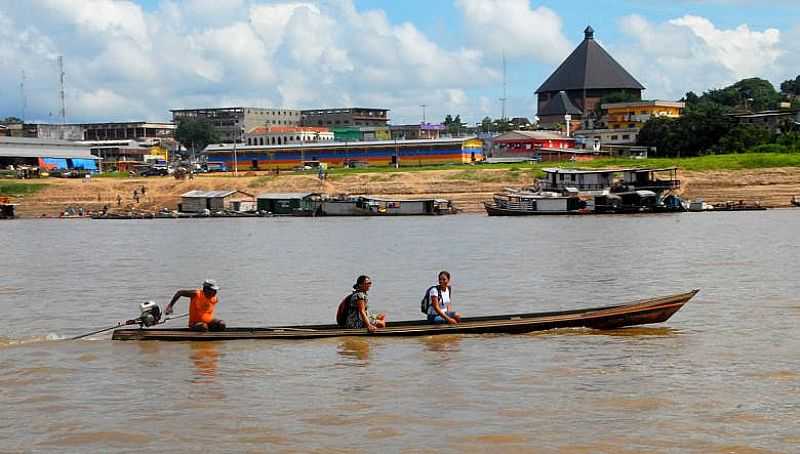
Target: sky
(133, 60)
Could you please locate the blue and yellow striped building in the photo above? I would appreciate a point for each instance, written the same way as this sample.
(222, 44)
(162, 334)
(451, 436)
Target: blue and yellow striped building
(376, 153)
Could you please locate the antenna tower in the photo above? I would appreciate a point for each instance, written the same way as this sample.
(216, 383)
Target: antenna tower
(503, 99)
(23, 99)
(63, 111)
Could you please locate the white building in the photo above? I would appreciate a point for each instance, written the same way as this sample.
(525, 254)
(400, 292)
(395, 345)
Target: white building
(287, 135)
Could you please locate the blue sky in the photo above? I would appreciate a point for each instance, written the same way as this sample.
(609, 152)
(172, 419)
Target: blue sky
(134, 60)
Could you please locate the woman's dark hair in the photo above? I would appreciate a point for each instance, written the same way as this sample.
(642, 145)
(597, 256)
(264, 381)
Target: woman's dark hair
(360, 281)
(444, 273)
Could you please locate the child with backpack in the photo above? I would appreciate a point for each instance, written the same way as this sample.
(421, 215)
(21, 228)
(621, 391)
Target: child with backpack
(437, 303)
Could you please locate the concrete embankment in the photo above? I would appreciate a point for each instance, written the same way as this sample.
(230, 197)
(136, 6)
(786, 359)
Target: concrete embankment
(772, 187)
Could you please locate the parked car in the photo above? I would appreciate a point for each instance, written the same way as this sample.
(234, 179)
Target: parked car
(68, 173)
(356, 164)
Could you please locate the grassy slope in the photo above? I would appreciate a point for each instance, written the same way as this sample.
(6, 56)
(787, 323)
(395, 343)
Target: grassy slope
(742, 161)
(16, 188)
(712, 162)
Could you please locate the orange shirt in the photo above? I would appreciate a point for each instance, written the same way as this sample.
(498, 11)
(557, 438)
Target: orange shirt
(201, 309)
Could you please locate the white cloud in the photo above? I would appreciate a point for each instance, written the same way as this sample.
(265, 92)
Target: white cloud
(514, 27)
(109, 18)
(123, 62)
(741, 51)
(691, 53)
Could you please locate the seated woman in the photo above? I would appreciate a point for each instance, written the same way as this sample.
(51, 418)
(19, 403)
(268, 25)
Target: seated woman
(358, 315)
(441, 307)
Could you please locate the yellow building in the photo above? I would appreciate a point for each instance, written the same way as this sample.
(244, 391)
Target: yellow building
(159, 151)
(625, 115)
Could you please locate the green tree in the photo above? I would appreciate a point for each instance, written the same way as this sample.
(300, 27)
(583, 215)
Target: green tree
(698, 131)
(486, 124)
(196, 134)
(10, 121)
(752, 94)
(742, 138)
(502, 125)
(791, 87)
(454, 125)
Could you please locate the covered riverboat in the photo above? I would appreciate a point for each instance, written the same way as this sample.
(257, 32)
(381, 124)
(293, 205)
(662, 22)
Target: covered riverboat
(604, 191)
(641, 312)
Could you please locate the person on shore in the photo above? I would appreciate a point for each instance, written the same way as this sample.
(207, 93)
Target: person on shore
(358, 315)
(202, 303)
(119, 200)
(441, 307)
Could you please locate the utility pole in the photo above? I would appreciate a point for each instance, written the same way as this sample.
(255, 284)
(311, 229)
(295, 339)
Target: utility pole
(423, 112)
(503, 99)
(236, 139)
(63, 111)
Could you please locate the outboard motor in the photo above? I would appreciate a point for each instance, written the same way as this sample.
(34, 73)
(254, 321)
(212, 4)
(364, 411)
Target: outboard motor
(149, 313)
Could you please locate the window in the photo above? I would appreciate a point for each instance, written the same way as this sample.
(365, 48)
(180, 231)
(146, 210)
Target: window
(262, 141)
(614, 137)
(626, 136)
(631, 125)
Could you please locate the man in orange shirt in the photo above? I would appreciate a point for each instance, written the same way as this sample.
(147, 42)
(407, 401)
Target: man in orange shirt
(201, 307)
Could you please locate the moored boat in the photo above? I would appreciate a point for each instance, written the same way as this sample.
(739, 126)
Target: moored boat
(521, 203)
(641, 312)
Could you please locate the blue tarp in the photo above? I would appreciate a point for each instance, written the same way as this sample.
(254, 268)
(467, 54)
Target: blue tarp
(84, 164)
(55, 163)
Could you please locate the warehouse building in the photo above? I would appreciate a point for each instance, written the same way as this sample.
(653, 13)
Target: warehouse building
(381, 153)
(46, 154)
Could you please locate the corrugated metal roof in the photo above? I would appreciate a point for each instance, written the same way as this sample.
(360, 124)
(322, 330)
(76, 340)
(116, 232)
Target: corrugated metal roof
(286, 195)
(207, 194)
(23, 147)
(512, 136)
(588, 67)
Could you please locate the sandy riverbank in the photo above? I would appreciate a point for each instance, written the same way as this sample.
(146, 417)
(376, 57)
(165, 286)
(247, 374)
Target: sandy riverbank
(772, 187)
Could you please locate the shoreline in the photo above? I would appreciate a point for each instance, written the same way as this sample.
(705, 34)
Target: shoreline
(466, 188)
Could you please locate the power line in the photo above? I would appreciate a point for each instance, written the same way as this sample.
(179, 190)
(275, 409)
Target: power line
(423, 112)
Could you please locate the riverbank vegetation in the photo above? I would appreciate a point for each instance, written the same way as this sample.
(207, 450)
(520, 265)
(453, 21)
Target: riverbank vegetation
(18, 189)
(709, 124)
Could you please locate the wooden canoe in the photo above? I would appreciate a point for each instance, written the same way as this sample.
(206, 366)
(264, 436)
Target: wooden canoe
(641, 312)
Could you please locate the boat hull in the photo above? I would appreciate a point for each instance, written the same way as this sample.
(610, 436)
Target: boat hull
(494, 210)
(647, 311)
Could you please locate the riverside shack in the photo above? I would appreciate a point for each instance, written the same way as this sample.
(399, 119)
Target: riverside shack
(198, 201)
(293, 203)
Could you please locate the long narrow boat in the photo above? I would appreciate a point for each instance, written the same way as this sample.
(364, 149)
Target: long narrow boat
(641, 312)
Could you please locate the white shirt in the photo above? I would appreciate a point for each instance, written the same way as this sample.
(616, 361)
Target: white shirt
(445, 300)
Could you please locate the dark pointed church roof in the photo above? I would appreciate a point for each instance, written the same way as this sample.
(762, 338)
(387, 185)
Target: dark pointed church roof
(559, 105)
(588, 67)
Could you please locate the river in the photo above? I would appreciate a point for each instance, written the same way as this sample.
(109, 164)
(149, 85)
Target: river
(722, 375)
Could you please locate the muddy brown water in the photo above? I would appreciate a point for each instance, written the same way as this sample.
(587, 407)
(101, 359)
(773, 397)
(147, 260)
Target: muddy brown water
(723, 375)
